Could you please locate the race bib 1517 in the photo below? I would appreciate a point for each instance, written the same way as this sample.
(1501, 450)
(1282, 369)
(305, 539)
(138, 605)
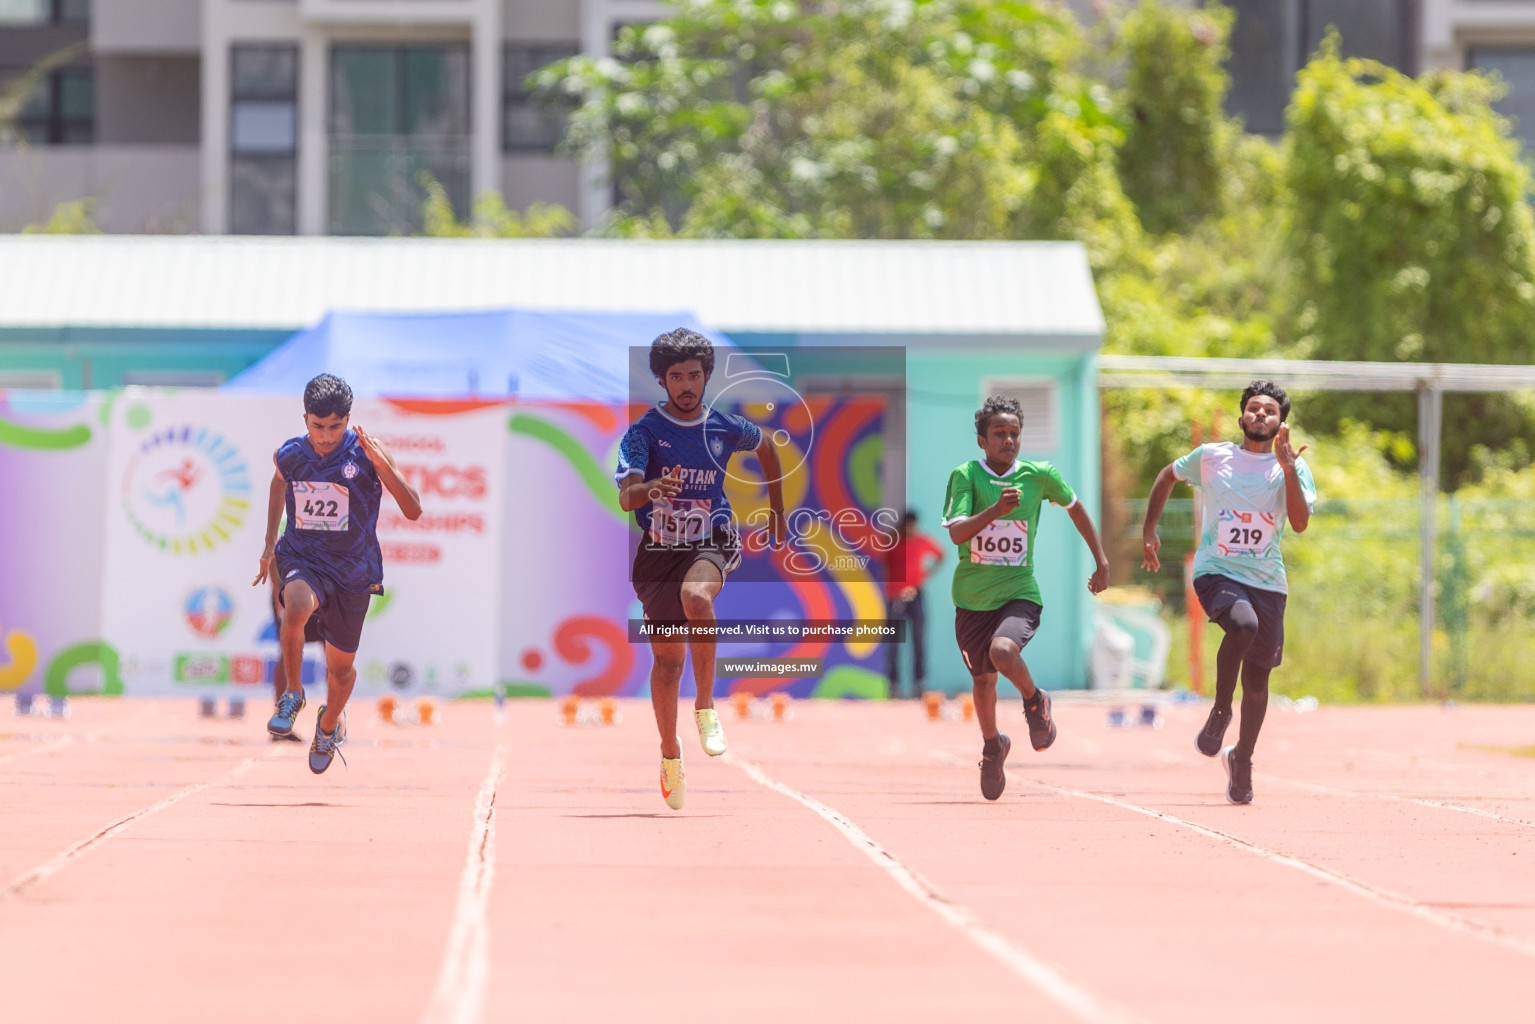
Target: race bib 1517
(320, 505)
(680, 520)
(1002, 542)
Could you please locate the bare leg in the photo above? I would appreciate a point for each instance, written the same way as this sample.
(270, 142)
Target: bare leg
(299, 602)
(1008, 658)
(984, 689)
(667, 657)
(699, 589)
(340, 676)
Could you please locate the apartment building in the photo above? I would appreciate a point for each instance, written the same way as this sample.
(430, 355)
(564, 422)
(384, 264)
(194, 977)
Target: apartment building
(319, 116)
(290, 116)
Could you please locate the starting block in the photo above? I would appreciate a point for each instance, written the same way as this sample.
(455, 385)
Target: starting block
(575, 711)
(1147, 715)
(960, 709)
(401, 713)
(208, 707)
(776, 707)
(55, 707)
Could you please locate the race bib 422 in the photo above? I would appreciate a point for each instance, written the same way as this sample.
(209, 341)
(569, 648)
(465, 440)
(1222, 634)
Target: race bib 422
(320, 506)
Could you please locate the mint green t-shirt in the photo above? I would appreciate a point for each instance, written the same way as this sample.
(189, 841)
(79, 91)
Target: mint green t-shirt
(997, 565)
(1244, 506)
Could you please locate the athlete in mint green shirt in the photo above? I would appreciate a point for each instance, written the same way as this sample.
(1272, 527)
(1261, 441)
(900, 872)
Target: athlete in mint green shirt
(1248, 492)
(992, 513)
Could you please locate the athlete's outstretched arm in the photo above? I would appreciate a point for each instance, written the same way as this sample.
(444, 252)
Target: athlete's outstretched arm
(1150, 542)
(1294, 495)
(1084, 524)
(961, 530)
(634, 490)
(389, 474)
(772, 472)
(276, 498)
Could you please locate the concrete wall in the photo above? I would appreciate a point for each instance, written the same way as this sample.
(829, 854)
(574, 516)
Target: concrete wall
(140, 189)
(146, 26)
(528, 178)
(148, 100)
(554, 21)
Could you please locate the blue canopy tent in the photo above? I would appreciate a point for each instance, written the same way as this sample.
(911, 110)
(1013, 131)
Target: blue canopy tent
(492, 354)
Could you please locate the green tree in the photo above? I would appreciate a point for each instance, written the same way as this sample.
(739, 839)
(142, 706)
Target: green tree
(1411, 239)
(1175, 80)
(491, 218)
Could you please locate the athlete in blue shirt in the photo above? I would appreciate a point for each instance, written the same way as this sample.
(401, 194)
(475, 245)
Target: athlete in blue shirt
(1249, 491)
(671, 475)
(329, 482)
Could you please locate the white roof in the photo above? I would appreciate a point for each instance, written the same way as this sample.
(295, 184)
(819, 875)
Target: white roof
(976, 289)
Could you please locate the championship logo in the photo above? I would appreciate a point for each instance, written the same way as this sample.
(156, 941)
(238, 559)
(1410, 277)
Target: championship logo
(209, 611)
(186, 490)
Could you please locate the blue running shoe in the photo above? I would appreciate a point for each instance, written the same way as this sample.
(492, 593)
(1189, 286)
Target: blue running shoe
(324, 748)
(288, 707)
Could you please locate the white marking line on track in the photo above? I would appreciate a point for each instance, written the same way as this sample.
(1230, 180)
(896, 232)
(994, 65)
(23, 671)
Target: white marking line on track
(1078, 1001)
(47, 748)
(61, 860)
(1384, 897)
(459, 997)
(1421, 801)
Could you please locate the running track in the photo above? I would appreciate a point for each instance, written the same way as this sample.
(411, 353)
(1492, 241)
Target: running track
(841, 866)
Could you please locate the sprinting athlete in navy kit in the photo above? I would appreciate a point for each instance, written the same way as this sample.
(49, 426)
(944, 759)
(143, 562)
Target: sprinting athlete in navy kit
(330, 482)
(671, 475)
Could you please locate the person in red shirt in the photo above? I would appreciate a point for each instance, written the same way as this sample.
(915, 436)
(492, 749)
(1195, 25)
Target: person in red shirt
(908, 565)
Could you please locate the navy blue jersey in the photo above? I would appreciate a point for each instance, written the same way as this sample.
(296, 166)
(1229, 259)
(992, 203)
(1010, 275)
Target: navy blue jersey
(333, 512)
(657, 443)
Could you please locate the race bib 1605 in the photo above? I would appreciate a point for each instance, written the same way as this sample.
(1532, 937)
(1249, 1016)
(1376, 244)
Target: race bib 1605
(1243, 533)
(1002, 542)
(320, 506)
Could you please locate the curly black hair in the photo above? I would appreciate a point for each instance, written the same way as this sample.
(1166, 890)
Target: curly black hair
(328, 395)
(995, 406)
(679, 346)
(1268, 389)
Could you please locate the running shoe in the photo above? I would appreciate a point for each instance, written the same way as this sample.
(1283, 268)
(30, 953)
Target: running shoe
(993, 778)
(1239, 777)
(674, 787)
(710, 733)
(1210, 737)
(288, 706)
(1041, 724)
(324, 749)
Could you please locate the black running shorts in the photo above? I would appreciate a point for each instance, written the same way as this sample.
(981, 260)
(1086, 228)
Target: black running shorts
(1017, 620)
(659, 572)
(338, 620)
(1218, 593)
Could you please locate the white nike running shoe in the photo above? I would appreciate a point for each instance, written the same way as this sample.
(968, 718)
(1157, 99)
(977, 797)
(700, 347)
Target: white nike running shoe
(710, 733)
(674, 787)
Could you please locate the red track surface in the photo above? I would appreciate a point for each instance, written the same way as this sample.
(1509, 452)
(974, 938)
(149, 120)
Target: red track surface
(1385, 872)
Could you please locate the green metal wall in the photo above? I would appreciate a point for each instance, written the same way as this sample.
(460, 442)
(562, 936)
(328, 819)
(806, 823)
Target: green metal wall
(100, 357)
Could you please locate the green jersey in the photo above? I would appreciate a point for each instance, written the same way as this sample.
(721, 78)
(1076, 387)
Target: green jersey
(997, 565)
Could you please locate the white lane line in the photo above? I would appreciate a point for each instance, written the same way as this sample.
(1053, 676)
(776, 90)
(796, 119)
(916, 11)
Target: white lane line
(459, 997)
(1421, 801)
(40, 874)
(1078, 1001)
(1384, 897)
(47, 748)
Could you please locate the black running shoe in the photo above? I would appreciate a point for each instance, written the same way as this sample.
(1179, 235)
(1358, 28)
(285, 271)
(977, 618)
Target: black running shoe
(1209, 739)
(993, 778)
(1239, 777)
(1041, 724)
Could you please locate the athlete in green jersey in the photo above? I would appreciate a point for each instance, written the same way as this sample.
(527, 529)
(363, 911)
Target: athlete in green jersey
(992, 513)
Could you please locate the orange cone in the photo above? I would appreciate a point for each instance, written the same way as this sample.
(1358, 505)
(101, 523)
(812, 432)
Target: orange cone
(780, 706)
(966, 707)
(426, 712)
(743, 703)
(933, 700)
(609, 710)
(569, 707)
(386, 708)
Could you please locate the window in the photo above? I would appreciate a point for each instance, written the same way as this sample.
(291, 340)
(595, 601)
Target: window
(1517, 66)
(397, 114)
(44, 12)
(263, 140)
(527, 122)
(61, 109)
(1037, 396)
